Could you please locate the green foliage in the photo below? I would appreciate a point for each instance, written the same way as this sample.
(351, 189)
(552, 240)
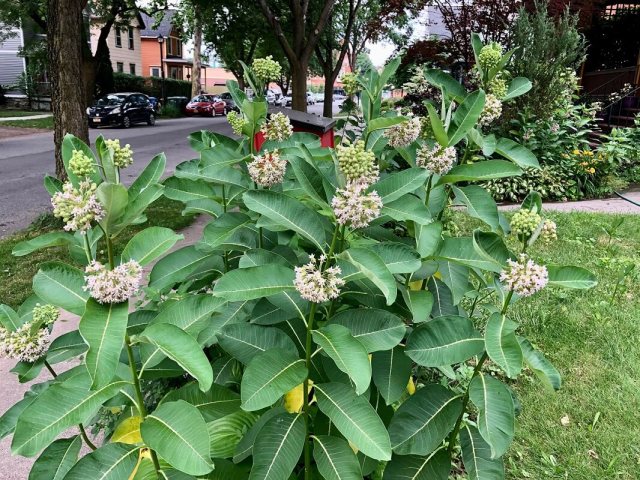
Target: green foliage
(124, 82)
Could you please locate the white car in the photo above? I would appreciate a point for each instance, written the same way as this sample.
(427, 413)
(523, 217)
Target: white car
(271, 97)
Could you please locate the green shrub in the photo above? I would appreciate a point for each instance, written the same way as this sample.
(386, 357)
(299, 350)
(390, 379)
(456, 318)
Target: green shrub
(152, 86)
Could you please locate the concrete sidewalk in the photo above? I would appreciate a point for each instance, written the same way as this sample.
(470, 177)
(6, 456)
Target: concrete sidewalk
(605, 205)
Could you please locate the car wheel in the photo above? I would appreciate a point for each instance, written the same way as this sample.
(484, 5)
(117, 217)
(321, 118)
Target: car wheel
(92, 125)
(151, 120)
(225, 111)
(126, 122)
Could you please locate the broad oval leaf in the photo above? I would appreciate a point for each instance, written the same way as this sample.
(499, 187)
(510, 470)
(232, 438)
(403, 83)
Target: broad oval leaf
(518, 154)
(391, 372)
(270, 375)
(502, 344)
(114, 461)
(348, 354)
(217, 402)
(177, 266)
(254, 282)
(496, 415)
(444, 341)
(435, 466)
(150, 244)
(114, 198)
(335, 458)
(480, 171)
(52, 239)
(355, 418)
(61, 285)
(245, 447)
(466, 116)
(149, 176)
(571, 277)
(57, 459)
(395, 185)
(245, 341)
(374, 328)
(461, 250)
(408, 208)
(542, 367)
(518, 86)
(476, 455)
(398, 257)
(226, 432)
(479, 204)
(177, 431)
(9, 319)
(371, 266)
(423, 421)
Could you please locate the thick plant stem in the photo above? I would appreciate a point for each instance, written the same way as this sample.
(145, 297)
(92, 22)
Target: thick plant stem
(83, 433)
(87, 247)
(305, 395)
(224, 199)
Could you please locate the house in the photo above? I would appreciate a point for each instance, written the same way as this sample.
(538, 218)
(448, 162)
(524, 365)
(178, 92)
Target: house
(12, 64)
(125, 48)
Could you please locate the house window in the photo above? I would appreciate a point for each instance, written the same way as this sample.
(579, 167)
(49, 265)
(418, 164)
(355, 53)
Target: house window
(174, 47)
(120, 67)
(155, 71)
(130, 34)
(118, 38)
(132, 68)
(175, 73)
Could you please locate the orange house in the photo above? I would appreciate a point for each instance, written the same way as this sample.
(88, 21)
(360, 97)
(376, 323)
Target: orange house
(166, 55)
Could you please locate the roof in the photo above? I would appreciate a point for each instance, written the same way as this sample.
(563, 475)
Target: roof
(164, 28)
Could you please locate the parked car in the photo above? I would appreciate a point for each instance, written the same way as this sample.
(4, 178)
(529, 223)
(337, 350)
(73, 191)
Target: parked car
(123, 109)
(179, 102)
(287, 100)
(228, 99)
(155, 103)
(281, 101)
(210, 105)
(319, 97)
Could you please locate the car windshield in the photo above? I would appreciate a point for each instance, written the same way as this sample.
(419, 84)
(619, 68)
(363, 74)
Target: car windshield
(200, 98)
(111, 100)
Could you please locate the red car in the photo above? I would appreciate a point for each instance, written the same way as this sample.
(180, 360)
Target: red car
(206, 105)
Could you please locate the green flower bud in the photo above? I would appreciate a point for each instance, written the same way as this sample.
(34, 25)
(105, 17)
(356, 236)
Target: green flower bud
(81, 165)
(350, 83)
(524, 222)
(122, 156)
(356, 163)
(490, 56)
(266, 69)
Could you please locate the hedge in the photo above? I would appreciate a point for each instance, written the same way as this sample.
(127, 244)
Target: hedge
(124, 82)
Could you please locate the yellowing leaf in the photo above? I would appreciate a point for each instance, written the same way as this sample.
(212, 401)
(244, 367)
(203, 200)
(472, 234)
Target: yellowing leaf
(128, 431)
(411, 387)
(144, 453)
(417, 285)
(294, 398)
(354, 448)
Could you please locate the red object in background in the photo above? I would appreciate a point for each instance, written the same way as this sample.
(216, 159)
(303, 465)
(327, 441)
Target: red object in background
(206, 105)
(304, 122)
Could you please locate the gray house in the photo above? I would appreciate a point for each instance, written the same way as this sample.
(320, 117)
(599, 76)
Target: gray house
(11, 65)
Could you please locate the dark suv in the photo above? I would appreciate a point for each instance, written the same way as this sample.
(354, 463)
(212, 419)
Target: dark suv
(123, 109)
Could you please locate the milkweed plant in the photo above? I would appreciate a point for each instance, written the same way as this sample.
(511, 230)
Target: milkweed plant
(331, 322)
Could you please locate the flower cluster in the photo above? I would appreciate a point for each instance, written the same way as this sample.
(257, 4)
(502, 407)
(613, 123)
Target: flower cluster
(316, 285)
(350, 83)
(278, 128)
(498, 86)
(81, 165)
(236, 121)
(267, 169)
(437, 159)
(112, 286)
(586, 161)
(490, 56)
(25, 344)
(45, 315)
(524, 222)
(266, 69)
(357, 164)
(549, 231)
(122, 156)
(353, 206)
(404, 133)
(524, 277)
(492, 110)
(78, 207)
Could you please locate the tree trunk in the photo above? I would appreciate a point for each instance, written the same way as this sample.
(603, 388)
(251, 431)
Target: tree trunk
(64, 43)
(329, 80)
(299, 87)
(196, 88)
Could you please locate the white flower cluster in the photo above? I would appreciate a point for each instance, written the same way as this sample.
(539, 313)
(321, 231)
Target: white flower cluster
(492, 110)
(278, 128)
(122, 156)
(236, 121)
(266, 69)
(524, 277)
(267, 169)
(315, 285)
(78, 207)
(549, 231)
(353, 206)
(404, 133)
(112, 286)
(437, 159)
(357, 164)
(81, 165)
(24, 344)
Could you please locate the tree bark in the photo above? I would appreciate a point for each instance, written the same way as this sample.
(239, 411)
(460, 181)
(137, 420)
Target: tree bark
(327, 109)
(64, 35)
(197, 44)
(299, 86)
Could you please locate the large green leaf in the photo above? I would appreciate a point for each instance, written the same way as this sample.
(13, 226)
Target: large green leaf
(58, 408)
(428, 238)
(245, 447)
(103, 327)
(518, 154)
(52, 239)
(544, 370)
(456, 277)
(191, 313)
(496, 415)
(476, 455)
(435, 466)
(479, 204)
(391, 372)
(422, 422)
(150, 244)
(382, 123)
(355, 418)
(439, 78)
(437, 126)
(289, 213)
(215, 403)
(420, 303)
(408, 207)
(571, 277)
(466, 116)
(335, 459)
(61, 285)
(230, 231)
(254, 282)
(57, 459)
(114, 199)
(10, 417)
(245, 341)
(114, 461)
(374, 328)
(348, 354)
(278, 447)
(444, 341)
(9, 319)
(518, 86)
(177, 431)
(183, 349)
(177, 266)
(225, 433)
(395, 185)
(502, 345)
(480, 171)
(398, 257)
(491, 247)
(149, 176)
(461, 250)
(269, 376)
(443, 304)
(371, 266)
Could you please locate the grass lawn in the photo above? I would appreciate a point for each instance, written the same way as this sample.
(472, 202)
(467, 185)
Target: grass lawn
(595, 344)
(43, 123)
(16, 272)
(19, 113)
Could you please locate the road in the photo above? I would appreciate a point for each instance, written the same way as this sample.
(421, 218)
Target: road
(26, 159)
